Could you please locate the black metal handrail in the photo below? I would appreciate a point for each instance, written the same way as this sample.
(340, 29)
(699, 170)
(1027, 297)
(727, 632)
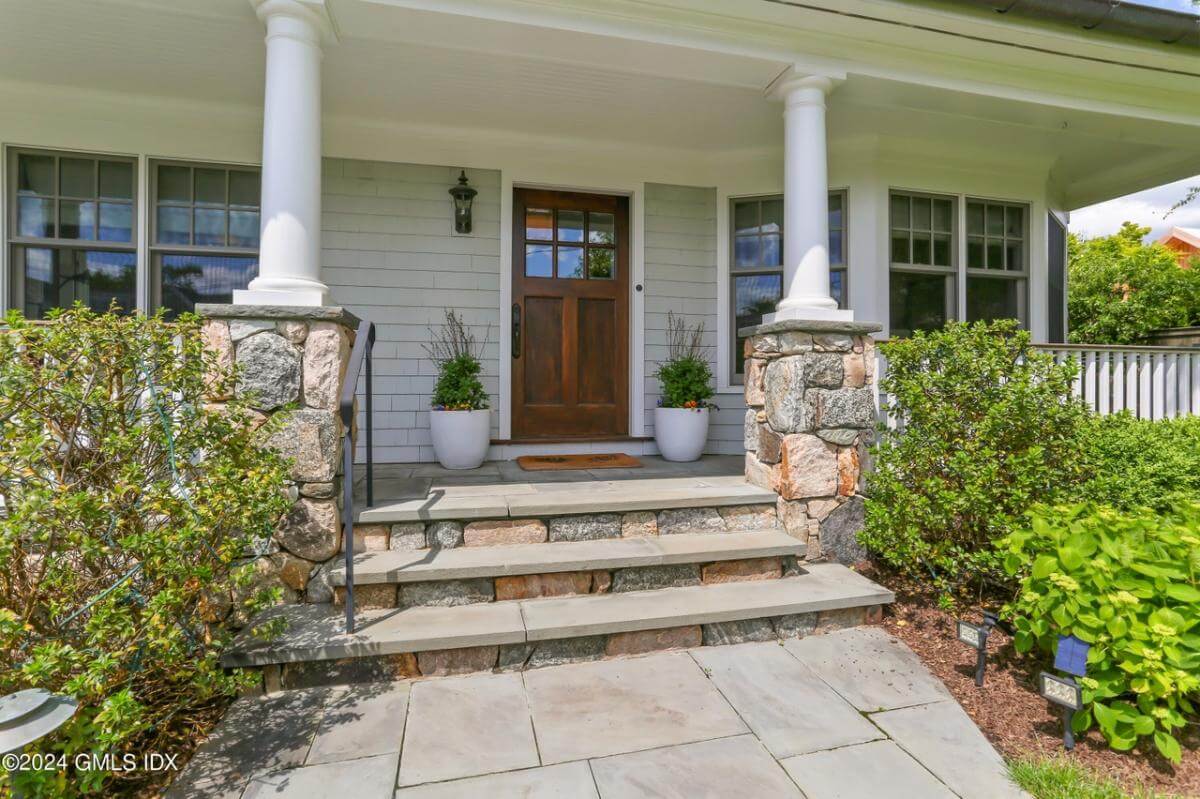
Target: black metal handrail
(364, 342)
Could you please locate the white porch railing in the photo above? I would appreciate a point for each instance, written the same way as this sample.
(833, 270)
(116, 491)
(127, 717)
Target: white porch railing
(1149, 382)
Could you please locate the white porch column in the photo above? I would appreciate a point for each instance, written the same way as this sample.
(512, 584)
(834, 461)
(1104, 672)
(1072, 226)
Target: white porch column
(805, 200)
(289, 270)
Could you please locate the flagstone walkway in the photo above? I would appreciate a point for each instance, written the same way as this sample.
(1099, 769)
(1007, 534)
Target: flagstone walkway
(851, 715)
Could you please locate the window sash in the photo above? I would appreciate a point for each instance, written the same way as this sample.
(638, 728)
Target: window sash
(192, 205)
(56, 196)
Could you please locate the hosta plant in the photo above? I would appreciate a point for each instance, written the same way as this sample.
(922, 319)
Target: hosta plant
(1128, 584)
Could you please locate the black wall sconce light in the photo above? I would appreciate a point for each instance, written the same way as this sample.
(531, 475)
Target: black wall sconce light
(463, 196)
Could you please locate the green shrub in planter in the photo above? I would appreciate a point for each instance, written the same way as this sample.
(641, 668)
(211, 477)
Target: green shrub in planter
(1128, 583)
(131, 507)
(1133, 462)
(989, 427)
(685, 376)
(455, 351)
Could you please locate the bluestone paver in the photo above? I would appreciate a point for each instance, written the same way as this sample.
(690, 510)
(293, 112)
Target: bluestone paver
(787, 706)
(727, 767)
(365, 778)
(943, 737)
(465, 726)
(864, 771)
(869, 668)
(360, 721)
(608, 707)
(564, 781)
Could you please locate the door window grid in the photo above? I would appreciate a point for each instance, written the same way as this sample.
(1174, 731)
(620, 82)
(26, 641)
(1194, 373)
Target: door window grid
(570, 244)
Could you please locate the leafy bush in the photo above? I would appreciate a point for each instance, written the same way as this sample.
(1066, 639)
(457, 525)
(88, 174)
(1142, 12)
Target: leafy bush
(456, 352)
(1126, 583)
(989, 427)
(1119, 289)
(685, 376)
(1134, 462)
(130, 506)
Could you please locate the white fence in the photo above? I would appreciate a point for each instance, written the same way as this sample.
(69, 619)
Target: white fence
(1149, 382)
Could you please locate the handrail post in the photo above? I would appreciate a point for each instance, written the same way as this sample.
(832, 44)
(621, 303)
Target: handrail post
(363, 343)
(348, 524)
(370, 442)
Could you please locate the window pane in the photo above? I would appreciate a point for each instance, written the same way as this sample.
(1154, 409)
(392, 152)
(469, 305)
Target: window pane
(570, 260)
(746, 251)
(243, 188)
(76, 220)
(975, 253)
(539, 224)
(942, 255)
(116, 180)
(835, 247)
(995, 253)
(922, 249)
(943, 216)
(900, 212)
(918, 302)
(601, 228)
(745, 216)
(570, 225)
(35, 174)
(210, 186)
(77, 177)
(601, 263)
(243, 228)
(995, 220)
(975, 218)
(772, 250)
(57, 278)
(900, 253)
(35, 217)
(190, 279)
(753, 296)
(209, 227)
(539, 260)
(1013, 260)
(174, 225)
(993, 298)
(835, 210)
(174, 183)
(772, 216)
(921, 218)
(837, 286)
(116, 222)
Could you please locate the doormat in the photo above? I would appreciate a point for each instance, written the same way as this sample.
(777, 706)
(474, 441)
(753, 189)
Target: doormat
(542, 463)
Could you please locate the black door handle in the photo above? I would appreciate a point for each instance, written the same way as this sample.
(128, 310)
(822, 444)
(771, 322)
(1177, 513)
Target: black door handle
(516, 330)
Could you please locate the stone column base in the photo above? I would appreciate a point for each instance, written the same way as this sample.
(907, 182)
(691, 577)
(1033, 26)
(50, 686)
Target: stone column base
(811, 416)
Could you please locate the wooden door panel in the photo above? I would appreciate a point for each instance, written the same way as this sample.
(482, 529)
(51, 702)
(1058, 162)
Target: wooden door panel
(597, 360)
(544, 375)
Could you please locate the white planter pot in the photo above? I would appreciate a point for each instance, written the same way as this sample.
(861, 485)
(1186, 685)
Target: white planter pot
(460, 438)
(681, 433)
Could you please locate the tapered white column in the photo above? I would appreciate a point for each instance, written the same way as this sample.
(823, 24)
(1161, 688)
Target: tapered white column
(289, 265)
(805, 200)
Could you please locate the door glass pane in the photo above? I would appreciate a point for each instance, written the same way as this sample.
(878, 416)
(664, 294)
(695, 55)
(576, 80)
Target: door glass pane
(601, 263)
(209, 226)
(746, 251)
(76, 220)
(975, 218)
(922, 249)
(943, 216)
(745, 217)
(539, 260)
(174, 183)
(57, 278)
(539, 225)
(918, 302)
(753, 296)
(900, 253)
(570, 225)
(993, 298)
(116, 180)
(1013, 261)
(210, 186)
(837, 286)
(570, 260)
(601, 228)
(835, 210)
(900, 211)
(921, 215)
(116, 222)
(244, 188)
(190, 279)
(975, 252)
(35, 174)
(1016, 222)
(772, 250)
(995, 253)
(174, 225)
(35, 217)
(772, 216)
(243, 228)
(941, 250)
(835, 247)
(77, 177)
(995, 220)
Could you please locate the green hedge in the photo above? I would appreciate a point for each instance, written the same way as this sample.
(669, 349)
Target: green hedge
(1134, 462)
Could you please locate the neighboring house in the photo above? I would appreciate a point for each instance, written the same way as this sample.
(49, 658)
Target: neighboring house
(1184, 242)
(630, 159)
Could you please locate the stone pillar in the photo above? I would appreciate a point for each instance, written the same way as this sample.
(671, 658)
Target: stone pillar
(292, 361)
(805, 199)
(810, 418)
(289, 264)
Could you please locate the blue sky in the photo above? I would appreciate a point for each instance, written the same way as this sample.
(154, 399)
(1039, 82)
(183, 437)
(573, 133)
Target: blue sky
(1174, 5)
(1145, 207)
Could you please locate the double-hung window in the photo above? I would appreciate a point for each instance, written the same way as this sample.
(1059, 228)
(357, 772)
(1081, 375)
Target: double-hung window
(72, 231)
(756, 262)
(204, 241)
(997, 260)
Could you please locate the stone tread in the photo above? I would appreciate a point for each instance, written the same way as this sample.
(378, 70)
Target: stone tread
(461, 563)
(316, 632)
(532, 500)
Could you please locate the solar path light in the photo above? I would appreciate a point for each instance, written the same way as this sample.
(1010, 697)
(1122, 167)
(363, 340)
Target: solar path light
(28, 715)
(1065, 692)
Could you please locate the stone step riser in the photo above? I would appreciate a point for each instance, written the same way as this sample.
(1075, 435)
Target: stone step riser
(558, 651)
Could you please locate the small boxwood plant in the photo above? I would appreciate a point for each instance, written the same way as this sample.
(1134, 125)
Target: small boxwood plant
(456, 352)
(1128, 583)
(685, 375)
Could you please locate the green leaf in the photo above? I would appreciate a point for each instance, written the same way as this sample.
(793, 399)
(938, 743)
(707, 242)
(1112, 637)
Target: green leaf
(1183, 592)
(1043, 566)
(1168, 746)
(1106, 718)
(1071, 558)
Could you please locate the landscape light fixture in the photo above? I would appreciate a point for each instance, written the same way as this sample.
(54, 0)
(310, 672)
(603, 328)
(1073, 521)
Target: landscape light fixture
(1066, 693)
(28, 715)
(1072, 655)
(976, 636)
(463, 196)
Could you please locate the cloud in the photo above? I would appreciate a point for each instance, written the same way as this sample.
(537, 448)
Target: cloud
(1145, 208)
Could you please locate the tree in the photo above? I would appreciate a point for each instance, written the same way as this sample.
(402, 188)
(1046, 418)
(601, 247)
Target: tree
(1121, 289)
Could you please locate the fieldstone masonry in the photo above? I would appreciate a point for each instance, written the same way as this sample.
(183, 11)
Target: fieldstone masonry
(291, 361)
(811, 416)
